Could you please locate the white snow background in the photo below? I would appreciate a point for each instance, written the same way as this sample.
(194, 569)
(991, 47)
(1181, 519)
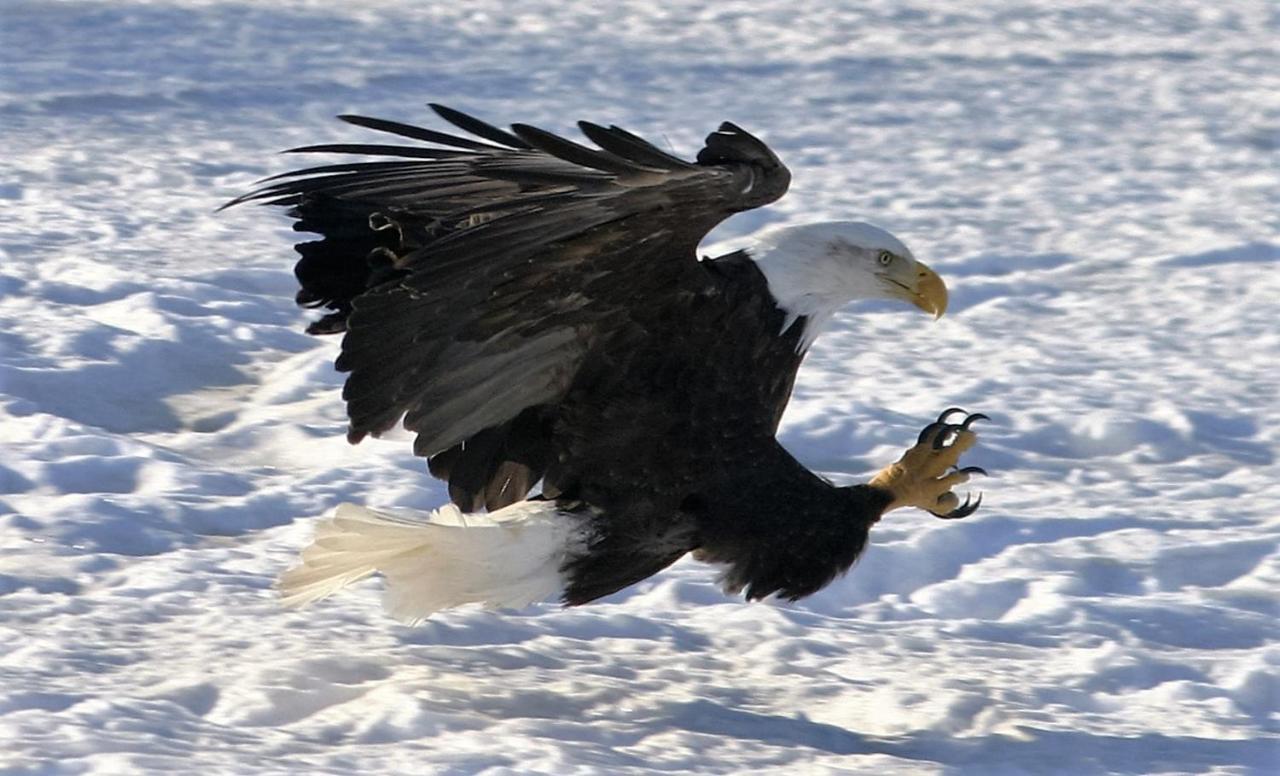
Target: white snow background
(1099, 183)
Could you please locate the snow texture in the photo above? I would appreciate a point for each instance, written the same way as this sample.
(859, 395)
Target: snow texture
(1097, 181)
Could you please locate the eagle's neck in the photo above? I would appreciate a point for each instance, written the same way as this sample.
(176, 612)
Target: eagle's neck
(801, 288)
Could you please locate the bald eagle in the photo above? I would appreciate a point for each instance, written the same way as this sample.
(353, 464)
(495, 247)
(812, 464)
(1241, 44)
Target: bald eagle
(534, 310)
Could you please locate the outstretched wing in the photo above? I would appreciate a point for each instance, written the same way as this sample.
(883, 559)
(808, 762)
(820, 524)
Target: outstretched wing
(473, 274)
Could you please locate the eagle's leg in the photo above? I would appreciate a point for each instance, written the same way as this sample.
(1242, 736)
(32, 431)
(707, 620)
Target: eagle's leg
(926, 473)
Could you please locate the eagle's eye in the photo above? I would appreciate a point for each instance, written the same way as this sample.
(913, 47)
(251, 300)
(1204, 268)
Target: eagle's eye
(885, 258)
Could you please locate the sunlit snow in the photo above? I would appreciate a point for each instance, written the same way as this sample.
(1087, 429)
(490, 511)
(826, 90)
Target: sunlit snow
(1098, 182)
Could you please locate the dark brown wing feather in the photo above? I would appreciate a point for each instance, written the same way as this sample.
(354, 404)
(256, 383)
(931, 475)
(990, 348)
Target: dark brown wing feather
(472, 276)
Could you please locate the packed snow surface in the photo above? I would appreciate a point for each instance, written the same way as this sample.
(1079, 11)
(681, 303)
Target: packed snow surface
(1098, 182)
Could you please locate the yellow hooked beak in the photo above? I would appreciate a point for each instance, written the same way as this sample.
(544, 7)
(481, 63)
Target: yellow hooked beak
(930, 293)
(915, 283)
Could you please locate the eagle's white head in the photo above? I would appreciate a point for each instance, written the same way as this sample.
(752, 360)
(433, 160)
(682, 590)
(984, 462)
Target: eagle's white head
(815, 269)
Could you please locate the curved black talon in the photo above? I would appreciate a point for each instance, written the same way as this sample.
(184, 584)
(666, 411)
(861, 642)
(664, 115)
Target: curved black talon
(964, 510)
(949, 430)
(939, 441)
(974, 470)
(927, 430)
(948, 412)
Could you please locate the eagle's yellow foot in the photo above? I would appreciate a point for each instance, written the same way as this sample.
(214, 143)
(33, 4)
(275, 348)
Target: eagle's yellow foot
(926, 473)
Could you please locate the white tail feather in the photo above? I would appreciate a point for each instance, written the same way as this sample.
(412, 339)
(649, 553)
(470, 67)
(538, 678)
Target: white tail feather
(509, 558)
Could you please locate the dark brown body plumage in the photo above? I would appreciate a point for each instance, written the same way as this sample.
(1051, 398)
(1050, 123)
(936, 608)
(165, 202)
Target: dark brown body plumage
(535, 311)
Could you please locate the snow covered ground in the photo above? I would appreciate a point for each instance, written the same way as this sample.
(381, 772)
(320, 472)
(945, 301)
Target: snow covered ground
(1099, 182)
